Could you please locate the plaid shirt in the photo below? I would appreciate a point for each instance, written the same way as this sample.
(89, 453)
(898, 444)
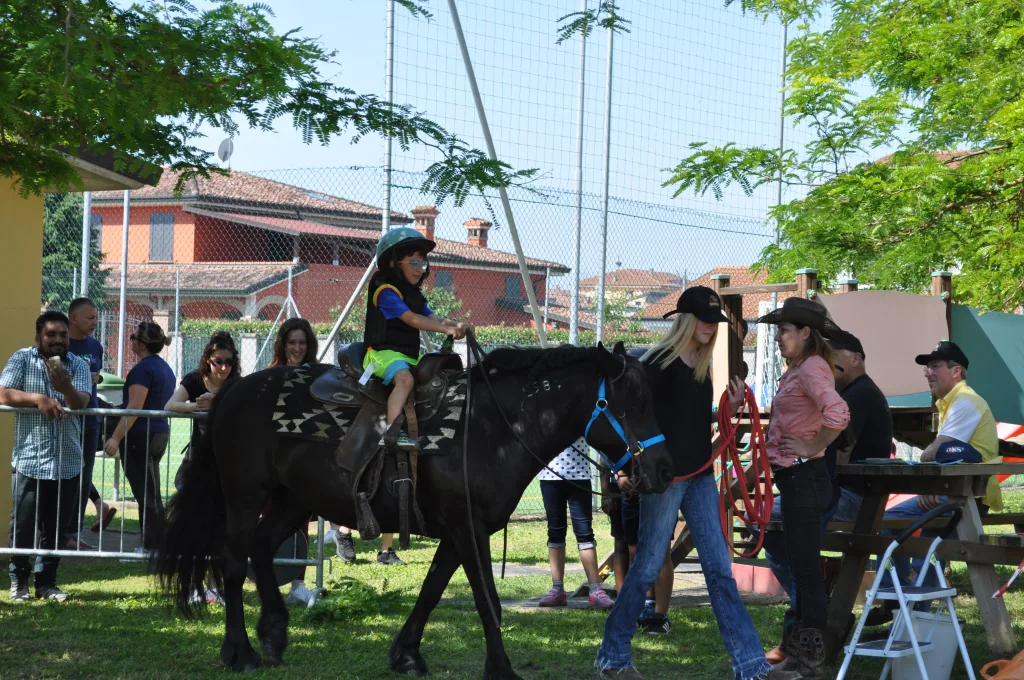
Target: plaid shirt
(45, 449)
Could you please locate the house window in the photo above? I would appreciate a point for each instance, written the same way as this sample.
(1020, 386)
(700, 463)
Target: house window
(279, 247)
(443, 280)
(513, 284)
(96, 224)
(161, 237)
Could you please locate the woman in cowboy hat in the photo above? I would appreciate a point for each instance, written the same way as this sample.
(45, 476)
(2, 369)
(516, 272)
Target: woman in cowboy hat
(807, 415)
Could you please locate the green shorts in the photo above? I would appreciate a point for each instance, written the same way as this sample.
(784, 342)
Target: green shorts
(387, 363)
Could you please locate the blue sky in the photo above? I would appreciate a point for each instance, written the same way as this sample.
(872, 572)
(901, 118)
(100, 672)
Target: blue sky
(686, 72)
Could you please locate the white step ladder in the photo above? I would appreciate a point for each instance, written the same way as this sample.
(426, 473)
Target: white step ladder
(903, 625)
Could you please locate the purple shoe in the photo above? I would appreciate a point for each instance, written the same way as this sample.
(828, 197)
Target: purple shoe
(600, 600)
(555, 598)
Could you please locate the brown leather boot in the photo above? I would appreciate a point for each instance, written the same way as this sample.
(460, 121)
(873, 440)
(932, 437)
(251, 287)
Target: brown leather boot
(808, 651)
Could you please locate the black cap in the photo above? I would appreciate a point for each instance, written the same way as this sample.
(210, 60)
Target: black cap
(702, 302)
(944, 351)
(848, 341)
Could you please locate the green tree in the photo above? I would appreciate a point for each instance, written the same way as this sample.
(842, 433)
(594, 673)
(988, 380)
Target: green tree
(62, 251)
(142, 78)
(939, 83)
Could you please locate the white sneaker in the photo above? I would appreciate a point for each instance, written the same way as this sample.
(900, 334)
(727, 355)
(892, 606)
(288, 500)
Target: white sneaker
(137, 551)
(299, 594)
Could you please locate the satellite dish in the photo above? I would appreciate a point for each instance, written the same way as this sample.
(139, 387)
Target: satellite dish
(224, 151)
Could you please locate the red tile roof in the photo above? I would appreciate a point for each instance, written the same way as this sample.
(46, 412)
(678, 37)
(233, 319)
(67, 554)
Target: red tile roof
(949, 158)
(224, 278)
(738, 276)
(644, 279)
(242, 190)
(446, 252)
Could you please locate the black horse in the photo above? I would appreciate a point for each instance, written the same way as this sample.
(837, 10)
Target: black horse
(530, 405)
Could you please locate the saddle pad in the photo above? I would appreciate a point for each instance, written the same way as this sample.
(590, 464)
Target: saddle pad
(298, 415)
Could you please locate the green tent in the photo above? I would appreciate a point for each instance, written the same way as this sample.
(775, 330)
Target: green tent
(994, 343)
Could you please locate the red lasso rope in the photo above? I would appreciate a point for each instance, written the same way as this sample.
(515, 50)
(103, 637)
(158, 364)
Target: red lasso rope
(757, 507)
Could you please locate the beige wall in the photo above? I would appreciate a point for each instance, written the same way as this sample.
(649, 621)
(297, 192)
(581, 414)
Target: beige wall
(21, 266)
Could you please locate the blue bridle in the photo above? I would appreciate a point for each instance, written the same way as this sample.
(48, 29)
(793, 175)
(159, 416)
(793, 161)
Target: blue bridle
(601, 408)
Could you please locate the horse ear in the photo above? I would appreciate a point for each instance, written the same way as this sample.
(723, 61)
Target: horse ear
(609, 364)
(619, 349)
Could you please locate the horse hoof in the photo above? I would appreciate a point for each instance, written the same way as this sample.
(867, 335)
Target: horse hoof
(412, 665)
(271, 657)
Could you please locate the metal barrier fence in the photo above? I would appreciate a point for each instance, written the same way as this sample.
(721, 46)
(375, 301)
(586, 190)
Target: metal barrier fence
(142, 468)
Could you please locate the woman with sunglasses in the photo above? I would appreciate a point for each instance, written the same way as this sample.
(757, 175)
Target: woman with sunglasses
(218, 364)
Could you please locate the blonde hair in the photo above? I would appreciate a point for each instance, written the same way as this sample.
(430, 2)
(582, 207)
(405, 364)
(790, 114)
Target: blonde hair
(675, 342)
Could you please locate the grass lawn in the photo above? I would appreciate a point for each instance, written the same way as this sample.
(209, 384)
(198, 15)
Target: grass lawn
(116, 626)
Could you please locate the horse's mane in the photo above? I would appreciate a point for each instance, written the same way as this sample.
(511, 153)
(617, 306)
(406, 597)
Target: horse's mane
(535, 361)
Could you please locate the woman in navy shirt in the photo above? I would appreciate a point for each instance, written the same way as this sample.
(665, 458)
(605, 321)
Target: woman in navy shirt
(148, 387)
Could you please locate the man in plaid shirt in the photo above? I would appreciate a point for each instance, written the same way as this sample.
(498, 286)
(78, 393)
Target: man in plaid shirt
(47, 457)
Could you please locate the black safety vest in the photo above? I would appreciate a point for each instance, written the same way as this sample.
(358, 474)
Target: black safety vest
(393, 334)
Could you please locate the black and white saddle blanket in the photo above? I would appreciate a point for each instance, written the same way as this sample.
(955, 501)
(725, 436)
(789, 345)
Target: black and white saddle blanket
(298, 415)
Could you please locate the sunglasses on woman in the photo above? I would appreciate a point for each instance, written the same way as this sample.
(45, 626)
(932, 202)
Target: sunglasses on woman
(221, 363)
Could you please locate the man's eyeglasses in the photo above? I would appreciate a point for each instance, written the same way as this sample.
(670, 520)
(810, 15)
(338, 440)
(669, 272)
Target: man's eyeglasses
(934, 367)
(221, 363)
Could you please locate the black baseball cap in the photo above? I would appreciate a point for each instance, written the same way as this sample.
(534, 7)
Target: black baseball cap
(848, 341)
(702, 302)
(944, 351)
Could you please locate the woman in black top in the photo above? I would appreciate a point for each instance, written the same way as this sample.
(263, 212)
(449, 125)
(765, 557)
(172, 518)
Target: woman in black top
(678, 373)
(218, 364)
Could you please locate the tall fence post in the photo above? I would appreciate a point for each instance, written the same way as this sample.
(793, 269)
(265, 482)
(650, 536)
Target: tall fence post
(577, 237)
(513, 232)
(177, 322)
(389, 92)
(86, 241)
(122, 316)
(607, 177)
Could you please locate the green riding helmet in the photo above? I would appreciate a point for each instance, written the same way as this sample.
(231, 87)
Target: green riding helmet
(404, 236)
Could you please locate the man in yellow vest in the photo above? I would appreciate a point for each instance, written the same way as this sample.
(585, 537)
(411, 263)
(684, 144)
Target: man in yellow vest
(967, 434)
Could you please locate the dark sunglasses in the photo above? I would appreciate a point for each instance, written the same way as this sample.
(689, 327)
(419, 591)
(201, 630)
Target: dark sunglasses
(220, 363)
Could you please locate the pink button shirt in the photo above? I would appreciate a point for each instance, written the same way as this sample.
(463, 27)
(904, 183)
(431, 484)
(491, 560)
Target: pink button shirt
(806, 401)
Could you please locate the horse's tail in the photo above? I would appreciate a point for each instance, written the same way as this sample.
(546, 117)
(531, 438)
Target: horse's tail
(190, 555)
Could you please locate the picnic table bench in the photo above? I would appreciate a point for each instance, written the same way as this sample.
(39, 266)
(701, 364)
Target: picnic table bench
(961, 483)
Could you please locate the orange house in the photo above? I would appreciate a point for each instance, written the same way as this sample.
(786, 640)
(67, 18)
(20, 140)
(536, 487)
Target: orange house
(227, 247)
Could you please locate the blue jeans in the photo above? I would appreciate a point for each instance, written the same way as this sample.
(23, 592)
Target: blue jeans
(844, 510)
(911, 509)
(559, 493)
(698, 499)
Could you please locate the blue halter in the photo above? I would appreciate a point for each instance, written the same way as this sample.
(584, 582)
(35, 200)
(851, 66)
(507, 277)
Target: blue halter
(601, 408)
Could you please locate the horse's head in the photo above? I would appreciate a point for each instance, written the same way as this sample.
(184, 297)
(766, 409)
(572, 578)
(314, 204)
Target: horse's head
(623, 427)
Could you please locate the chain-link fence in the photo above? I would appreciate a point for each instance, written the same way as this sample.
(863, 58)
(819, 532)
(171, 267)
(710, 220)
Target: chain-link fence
(245, 252)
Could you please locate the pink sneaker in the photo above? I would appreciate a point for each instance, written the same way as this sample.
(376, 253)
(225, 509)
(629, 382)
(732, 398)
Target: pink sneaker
(555, 598)
(600, 600)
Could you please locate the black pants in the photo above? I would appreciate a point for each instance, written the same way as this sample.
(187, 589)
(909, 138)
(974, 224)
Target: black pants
(86, 490)
(141, 454)
(806, 494)
(56, 502)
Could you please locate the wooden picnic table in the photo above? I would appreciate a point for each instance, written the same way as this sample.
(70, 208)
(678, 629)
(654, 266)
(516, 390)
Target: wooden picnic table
(961, 482)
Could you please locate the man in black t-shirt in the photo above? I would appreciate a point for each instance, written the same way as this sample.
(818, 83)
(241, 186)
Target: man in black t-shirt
(869, 434)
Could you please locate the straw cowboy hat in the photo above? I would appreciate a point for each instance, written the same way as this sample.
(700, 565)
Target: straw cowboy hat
(801, 312)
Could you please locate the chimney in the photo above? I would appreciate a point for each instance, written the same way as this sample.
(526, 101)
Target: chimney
(476, 229)
(425, 216)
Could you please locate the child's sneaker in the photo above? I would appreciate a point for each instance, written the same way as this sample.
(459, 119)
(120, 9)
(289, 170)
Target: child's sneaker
(657, 624)
(556, 597)
(346, 547)
(389, 558)
(600, 600)
(299, 594)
